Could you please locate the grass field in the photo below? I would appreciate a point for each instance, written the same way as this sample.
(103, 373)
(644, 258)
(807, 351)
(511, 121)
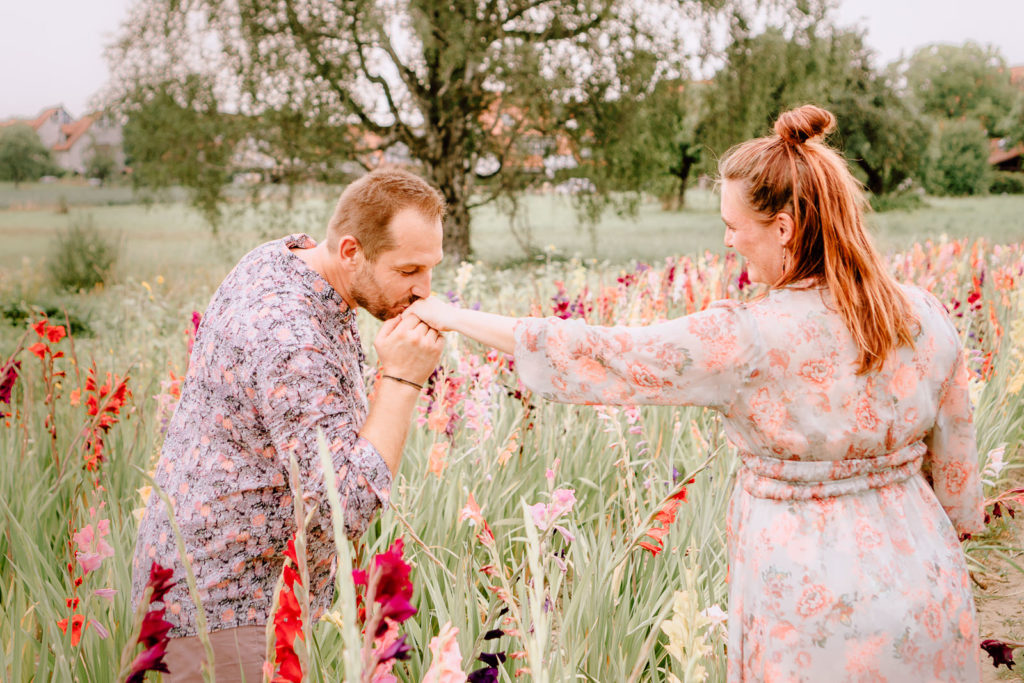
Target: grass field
(607, 595)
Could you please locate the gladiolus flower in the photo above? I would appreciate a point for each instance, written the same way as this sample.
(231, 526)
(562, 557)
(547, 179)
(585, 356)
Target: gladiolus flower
(77, 626)
(1001, 653)
(8, 375)
(436, 460)
(150, 659)
(471, 511)
(153, 630)
(446, 666)
(562, 501)
(55, 334)
(159, 581)
(92, 549)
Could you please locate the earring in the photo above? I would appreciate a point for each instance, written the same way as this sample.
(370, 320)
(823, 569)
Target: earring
(785, 261)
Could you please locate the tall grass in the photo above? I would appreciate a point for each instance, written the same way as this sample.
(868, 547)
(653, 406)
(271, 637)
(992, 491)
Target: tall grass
(585, 604)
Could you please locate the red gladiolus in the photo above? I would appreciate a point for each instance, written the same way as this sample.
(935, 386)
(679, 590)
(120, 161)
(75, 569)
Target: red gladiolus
(55, 334)
(666, 516)
(288, 623)
(1001, 653)
(159, 581)
(8, 375)
(153, 634)
(77, 626)
(154, 628)
(150, 659)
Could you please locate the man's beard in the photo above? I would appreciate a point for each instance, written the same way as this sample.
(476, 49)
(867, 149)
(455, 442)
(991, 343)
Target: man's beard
(367, 293)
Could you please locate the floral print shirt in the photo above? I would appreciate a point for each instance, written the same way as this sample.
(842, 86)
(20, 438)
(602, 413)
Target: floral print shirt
(277, 359)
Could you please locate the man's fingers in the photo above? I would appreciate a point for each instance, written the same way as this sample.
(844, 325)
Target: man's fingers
(389, 326)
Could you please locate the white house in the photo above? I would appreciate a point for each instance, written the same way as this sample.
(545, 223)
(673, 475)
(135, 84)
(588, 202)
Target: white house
(74, 143)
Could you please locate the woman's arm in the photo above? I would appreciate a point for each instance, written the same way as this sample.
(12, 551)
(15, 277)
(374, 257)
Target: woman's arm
(700, 359)
(487, 328)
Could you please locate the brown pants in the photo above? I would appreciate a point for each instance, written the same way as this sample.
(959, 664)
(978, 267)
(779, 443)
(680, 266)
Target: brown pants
(238, 656)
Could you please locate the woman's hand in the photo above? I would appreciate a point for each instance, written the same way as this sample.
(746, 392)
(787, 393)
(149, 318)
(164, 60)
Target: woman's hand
(434, 312)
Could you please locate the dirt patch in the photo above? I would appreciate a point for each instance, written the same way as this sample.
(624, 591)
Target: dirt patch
(1001, 601)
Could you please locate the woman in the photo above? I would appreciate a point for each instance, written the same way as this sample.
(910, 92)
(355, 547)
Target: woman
(846, 397)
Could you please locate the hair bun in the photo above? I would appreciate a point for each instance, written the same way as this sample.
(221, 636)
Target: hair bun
(799, 125)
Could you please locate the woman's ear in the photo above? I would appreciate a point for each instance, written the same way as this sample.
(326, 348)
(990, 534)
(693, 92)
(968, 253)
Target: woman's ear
(786, 228)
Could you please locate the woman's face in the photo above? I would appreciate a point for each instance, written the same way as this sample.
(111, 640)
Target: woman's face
(759, 241)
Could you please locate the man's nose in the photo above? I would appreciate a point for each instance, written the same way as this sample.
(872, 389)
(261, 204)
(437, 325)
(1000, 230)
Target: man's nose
(421, 289)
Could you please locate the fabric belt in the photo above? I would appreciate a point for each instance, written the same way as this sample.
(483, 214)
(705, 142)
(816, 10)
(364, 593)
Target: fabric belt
(766, 477)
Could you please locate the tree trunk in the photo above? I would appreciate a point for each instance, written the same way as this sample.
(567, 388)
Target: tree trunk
(456, 231)
(874, 182)
(453, 182)
(681, 195)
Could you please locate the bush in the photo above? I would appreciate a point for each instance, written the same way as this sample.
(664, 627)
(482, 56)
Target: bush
(901, 200)
(83, 258)
(20, 313)
(1007, 182)
(958, 163)
(22, 156)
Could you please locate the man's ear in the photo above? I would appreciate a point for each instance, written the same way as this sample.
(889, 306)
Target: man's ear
(349, 250)
(786, 227)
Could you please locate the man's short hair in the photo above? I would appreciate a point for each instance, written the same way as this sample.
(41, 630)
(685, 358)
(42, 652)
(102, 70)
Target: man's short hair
(367, 206)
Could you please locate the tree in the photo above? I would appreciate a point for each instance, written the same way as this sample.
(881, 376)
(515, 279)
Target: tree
(958, 81)
(456, 84)
(102, 164)
(958, 162)
(22, 155)
(766, 74)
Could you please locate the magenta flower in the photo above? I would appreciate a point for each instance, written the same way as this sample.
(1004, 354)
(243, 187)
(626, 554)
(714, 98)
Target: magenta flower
(154, 630)
(1001, 653)
(8, 374)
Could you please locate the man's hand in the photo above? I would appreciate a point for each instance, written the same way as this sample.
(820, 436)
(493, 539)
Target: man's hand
(434, 312)
(408, 348)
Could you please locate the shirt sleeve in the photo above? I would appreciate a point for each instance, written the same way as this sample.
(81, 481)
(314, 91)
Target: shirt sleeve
(301, 393)
(952, 458)
(701, 359)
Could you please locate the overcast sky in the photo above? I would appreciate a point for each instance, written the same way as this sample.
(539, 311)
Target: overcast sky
(52, 52)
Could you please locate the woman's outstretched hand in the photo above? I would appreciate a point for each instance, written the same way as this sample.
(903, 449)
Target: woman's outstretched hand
(434, 312)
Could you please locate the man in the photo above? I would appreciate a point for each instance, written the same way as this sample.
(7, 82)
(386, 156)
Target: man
(277, 358)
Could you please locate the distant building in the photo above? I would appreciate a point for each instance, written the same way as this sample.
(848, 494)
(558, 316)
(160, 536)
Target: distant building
(74, 143)
(1002, 156)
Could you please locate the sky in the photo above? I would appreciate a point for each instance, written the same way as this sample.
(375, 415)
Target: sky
(52, 52)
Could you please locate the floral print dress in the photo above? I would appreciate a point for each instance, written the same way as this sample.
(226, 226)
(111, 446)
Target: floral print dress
(842, 530)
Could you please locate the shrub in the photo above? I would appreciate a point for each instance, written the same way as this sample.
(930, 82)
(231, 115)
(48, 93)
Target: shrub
(958, 163)
(1007, 182)
(22, 156)
(19, 313)
(83, 258)
(901, 200)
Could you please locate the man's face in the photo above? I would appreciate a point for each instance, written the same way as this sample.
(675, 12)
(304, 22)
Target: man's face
(399, 276)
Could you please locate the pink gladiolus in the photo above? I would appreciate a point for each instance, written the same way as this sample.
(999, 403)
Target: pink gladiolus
(562, 501)
(92, 549)
(446, 666)
(107, 593)
(471, 511)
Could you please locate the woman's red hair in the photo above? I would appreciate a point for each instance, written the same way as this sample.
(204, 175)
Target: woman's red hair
(793, 171)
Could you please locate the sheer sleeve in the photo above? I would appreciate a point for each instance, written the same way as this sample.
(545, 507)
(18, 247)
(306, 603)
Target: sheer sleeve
(701, 359)
(952, 458)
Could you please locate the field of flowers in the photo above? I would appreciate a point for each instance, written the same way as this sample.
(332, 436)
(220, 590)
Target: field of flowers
(525, 541)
